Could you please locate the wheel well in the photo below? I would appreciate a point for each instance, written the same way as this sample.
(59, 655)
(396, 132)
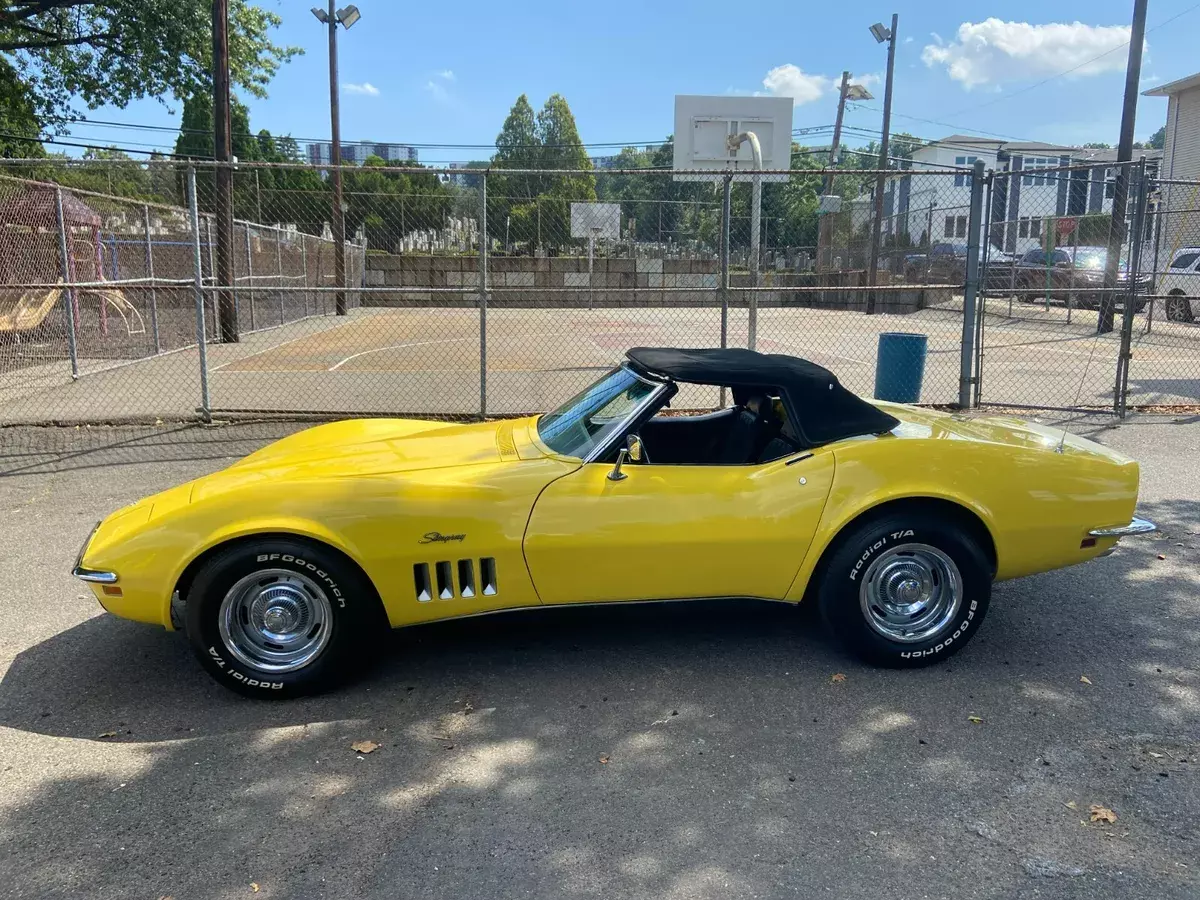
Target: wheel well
(967, 518)
(1176, 292)
(184, 584)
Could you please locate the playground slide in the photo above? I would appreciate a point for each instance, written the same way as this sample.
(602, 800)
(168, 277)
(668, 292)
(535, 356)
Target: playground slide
(22, 311)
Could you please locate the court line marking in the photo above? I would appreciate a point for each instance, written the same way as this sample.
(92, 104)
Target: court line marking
(289, 341)
(338, 365)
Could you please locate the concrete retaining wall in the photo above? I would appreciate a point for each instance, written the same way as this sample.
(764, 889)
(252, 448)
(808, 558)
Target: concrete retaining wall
(532, 282)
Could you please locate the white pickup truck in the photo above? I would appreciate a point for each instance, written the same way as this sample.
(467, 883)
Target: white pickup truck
(1181, 284)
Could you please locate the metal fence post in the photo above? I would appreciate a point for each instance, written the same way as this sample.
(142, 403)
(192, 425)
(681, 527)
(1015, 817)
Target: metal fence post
(724, 275)
(304, 263)
(150, 275)
(971, 289)
(249, 274)
(279, 268)
(65, 257)
(1136, 232)
(212, 272)
(198, 280)
(483, 286)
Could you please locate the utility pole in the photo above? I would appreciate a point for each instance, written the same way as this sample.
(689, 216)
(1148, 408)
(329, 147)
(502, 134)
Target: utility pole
(837, 130)
(223, 175)
(881, 34)
(825, 234)
(1116, 230)
(347, 16)
(339, 219)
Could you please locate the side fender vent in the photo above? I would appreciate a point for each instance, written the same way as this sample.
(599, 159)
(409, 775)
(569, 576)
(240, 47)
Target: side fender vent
(421, 578)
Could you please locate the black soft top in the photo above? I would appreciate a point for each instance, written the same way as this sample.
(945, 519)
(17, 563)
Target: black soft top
(819, 408)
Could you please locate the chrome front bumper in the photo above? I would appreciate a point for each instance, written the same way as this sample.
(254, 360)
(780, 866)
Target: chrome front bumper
(94, 576)
(1137, 526)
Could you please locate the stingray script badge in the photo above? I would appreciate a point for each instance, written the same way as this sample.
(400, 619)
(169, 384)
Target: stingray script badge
(436, 537)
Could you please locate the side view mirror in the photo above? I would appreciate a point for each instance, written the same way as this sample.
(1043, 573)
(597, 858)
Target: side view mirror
(632, 451)
(633, 444)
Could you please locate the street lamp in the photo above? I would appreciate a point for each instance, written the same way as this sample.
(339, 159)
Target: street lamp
(847, 91)
(881, 35)
(347, 16)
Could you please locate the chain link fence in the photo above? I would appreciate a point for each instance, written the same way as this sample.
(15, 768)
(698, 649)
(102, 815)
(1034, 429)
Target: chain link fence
(498, 292)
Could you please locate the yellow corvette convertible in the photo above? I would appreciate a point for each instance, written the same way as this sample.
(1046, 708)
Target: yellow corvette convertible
(286, 566)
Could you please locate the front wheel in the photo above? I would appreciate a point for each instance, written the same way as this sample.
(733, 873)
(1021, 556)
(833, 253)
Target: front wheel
(905, 589)
(279, 618)
(1179, 309)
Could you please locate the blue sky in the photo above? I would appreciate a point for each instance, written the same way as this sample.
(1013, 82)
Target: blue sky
(423, 73)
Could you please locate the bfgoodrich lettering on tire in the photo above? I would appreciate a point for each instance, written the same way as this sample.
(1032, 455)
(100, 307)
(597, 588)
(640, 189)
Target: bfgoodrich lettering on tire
(278, 618)
(905, 589)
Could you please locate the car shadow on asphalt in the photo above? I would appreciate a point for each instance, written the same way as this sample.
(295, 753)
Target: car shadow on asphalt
(674, 750)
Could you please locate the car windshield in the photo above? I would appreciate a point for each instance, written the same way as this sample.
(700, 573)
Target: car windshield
(1090, 259)
(589, 418)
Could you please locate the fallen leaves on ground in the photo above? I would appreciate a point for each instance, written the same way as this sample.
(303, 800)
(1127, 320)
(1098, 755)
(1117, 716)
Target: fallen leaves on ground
(1102, 814)
(107, 734)
(1071, 804)
(1085, 679)
(837, 678)
(604, 760)
(364, 747)
(254, 886)
(975, 720)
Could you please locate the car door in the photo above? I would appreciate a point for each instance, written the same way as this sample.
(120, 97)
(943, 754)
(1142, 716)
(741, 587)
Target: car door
(676, 531)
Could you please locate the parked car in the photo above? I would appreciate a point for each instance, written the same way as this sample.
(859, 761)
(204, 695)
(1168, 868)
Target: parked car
(1076, 273)
(894, 520)
(946, 263)
(1181, 284)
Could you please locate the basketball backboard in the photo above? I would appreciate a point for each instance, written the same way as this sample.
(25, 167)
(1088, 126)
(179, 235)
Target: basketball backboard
(601, 221)
(704, 124)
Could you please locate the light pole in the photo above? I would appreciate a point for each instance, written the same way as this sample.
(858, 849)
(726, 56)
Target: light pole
(847, 91)
(347, 16)
(881, 34)
(733, 143)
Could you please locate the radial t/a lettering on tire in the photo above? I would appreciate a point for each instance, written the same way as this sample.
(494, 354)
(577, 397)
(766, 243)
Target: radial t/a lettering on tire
(279, 617)
(905, 589)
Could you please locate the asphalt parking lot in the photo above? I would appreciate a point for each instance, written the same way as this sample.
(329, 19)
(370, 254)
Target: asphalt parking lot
(674, 751)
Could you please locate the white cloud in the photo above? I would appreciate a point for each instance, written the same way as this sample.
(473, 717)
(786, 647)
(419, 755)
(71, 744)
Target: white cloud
(365, 88)
(446, 74)
(791, 81)
(993, 51)
(437, 90)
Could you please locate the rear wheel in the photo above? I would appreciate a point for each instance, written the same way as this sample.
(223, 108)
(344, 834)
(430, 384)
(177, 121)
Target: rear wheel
(905, 589)
(1179, 308)
(279, 618)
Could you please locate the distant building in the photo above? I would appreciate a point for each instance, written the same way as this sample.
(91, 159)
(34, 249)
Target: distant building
(320, 153)
(1024, 194)
(1180, 198)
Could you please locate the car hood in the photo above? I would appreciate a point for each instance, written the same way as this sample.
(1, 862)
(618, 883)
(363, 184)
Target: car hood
(364, 447)
(919, 422)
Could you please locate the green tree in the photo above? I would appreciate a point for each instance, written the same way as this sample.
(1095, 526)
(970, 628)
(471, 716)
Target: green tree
(19, 126)
(1158, 140)
(115, 51)
(561, 148)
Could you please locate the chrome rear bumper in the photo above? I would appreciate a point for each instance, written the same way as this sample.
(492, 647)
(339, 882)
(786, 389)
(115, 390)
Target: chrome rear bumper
(1136, 526)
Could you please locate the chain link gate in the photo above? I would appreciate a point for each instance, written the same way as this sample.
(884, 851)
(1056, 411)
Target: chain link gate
(487, 292)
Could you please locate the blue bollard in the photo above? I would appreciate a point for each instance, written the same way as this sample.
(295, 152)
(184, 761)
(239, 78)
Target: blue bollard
(900, 366)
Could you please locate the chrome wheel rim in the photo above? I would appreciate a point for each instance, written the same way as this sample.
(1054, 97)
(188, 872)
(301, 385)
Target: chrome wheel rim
(910, 593)
(275, 620)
